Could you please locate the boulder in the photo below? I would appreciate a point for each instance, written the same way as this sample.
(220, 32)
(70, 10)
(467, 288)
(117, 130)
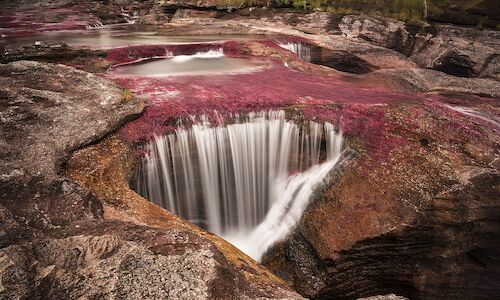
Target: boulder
(376, 57)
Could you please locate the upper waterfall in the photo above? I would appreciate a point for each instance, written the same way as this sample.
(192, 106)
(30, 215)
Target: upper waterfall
(248, 181)
(302, 50)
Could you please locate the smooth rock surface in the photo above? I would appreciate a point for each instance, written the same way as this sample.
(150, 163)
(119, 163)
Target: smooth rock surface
(424, 80)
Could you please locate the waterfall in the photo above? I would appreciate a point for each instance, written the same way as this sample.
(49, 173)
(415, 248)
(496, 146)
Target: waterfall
(248, 181)
(216, 53)
(302, 50)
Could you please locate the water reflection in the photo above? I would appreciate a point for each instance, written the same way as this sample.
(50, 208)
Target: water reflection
(201, 63)
(117, 36)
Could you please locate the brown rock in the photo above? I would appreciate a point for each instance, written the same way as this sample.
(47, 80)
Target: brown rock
(59, 241)
(421, 221)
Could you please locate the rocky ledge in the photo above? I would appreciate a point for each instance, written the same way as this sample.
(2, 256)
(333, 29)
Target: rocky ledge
(417, 213)
(62, 240)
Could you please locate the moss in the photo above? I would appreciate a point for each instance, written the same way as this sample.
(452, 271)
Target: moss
(128, 95)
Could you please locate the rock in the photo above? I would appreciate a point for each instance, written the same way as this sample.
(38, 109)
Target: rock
(341, 60)
(459, 51)
(481, 14)
(175, 264)
(315, 22)
(86, 59)
(376, 57)
(384, 297)
(416, 214)
(423, 80)
(384, 32)
(54, 109)
(105, 168)
(59, 239)
(192, 13)
(213, 4)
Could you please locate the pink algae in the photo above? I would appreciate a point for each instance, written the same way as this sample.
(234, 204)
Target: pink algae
(171, 98)
(363, 113)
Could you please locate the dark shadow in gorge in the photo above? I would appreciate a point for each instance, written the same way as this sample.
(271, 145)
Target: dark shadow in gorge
(340, 60)
(452, 238)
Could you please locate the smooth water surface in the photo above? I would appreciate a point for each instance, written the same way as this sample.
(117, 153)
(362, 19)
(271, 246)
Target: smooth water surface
(108, 37)
(201, 63)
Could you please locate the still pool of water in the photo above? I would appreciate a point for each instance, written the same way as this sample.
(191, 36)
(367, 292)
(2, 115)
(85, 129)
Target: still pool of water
(201, 63)
(117, 36)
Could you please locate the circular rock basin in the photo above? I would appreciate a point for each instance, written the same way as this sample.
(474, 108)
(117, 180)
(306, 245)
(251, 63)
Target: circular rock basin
(203, 63)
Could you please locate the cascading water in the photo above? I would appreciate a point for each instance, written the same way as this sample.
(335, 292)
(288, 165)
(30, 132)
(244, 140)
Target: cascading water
(210, 62)
(302, 50)
(248, 181)
(215, 53)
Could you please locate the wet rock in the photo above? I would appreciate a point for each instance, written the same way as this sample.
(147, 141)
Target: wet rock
(47, 111)
(364, 53)
(105, 168)
(54, 109)
(458, 51)
(110, 266)
(85, 59)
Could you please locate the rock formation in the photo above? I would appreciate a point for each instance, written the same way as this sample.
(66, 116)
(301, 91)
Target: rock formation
(412, 210)
(396, 216)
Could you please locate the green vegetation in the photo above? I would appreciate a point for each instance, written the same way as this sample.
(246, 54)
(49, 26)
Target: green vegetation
(406, 10)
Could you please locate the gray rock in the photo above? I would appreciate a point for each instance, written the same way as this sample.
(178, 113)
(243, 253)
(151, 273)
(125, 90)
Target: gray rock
(425, 80)
(47, 111)
(384, 32)
(384, 297)
(54, 109)
(459, 51)
(104, 266)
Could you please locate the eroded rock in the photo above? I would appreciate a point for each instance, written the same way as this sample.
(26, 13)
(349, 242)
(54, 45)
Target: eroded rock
(385, 297)
(384, 32)
(458, 51)
(424, 80)
(417, 216)
(59, 239)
